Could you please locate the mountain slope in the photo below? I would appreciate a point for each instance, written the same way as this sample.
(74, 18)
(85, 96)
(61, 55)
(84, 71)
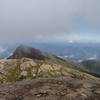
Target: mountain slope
(28, 79)
(23, 51)
(30, 74)
(92, 66)
(65, 88)
(13, 70)
(28, 52)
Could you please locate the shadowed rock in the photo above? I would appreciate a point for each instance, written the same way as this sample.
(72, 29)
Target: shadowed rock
(28, 52)
(51, 89)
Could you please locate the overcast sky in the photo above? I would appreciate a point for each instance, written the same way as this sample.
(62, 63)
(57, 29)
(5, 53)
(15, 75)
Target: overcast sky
(49, 20)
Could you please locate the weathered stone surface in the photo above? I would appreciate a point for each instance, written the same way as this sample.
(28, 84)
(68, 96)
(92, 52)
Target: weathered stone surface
(13, 70)
(64, 88)
(27, 79)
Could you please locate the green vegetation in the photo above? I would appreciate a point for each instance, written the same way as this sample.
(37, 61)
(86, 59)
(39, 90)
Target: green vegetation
(13, 74)
(93, 66)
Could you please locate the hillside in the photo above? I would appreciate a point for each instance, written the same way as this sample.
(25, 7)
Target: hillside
(92, 66)
(23, 51)
(31, 74)
(28, 79)
(13, 70)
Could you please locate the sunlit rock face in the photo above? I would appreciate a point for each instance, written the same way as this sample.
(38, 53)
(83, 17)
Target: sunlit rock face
(12, 70)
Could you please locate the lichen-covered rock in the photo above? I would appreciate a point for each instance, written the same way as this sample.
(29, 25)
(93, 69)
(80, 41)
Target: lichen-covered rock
(12, 70)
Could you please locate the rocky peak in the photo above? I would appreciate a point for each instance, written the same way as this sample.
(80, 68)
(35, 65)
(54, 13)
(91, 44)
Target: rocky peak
(28, 52)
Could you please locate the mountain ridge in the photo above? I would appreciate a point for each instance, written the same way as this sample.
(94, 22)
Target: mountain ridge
(43, 76)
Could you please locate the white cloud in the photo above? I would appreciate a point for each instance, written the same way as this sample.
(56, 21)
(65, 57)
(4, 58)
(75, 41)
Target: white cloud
(2, 50)
(24, 20)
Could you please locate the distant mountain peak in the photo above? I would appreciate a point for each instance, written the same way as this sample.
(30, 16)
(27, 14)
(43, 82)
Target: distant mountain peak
(28, 52)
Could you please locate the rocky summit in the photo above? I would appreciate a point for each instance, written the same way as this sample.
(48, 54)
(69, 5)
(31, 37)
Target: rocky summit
(28, 79)
(30, 74)
(29, 52)
(13, 70)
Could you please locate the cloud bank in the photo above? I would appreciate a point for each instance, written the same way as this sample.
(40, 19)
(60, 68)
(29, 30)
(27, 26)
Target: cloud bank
(55, 20)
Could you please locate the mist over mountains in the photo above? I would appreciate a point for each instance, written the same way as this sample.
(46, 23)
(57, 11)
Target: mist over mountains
(69, 51)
